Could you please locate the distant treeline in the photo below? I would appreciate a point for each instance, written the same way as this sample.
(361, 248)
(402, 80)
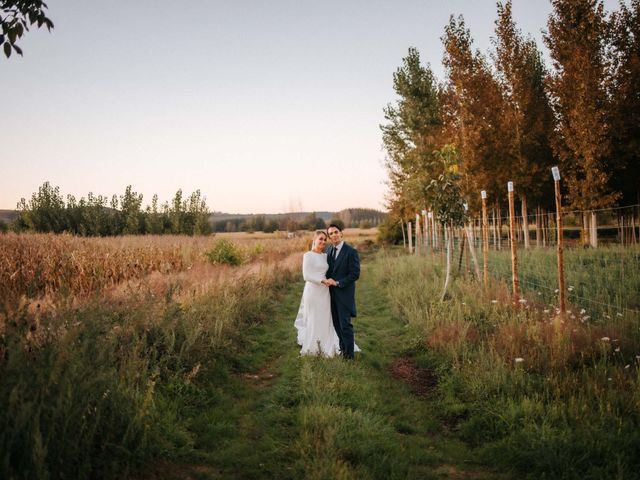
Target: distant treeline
(48, 211)
(348, 218)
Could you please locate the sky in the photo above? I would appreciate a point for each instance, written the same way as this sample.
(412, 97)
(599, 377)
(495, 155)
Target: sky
(265, 106)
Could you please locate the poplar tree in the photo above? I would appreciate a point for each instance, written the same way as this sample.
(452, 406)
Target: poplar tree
(412, 132)
(577, 31)
(472, 103)
(528, 117)
(625, 97)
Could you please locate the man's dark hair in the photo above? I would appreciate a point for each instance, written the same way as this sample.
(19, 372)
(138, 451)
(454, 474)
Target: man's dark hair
(333, 225)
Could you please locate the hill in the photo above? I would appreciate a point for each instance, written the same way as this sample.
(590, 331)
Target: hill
(8, 215)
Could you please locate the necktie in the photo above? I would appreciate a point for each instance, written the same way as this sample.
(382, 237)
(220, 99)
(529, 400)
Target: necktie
(335, 253)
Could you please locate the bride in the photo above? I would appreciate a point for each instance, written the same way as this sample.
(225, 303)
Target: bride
(316, 333)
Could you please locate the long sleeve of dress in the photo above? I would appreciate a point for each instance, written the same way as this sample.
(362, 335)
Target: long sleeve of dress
(310, 271)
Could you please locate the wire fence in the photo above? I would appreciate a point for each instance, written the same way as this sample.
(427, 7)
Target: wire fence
(601, 274)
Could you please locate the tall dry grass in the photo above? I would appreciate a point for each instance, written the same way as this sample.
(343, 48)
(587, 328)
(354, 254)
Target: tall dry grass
(105, 342)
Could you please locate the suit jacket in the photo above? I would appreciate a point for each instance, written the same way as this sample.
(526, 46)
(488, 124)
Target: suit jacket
(345, 270)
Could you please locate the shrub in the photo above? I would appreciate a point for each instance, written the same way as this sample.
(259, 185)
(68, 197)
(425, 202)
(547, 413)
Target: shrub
(225, 252)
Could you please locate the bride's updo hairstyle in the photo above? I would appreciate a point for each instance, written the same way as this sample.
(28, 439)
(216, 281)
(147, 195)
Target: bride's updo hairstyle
(316, 234)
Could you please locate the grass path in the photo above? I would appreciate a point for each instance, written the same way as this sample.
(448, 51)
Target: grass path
(272, 414)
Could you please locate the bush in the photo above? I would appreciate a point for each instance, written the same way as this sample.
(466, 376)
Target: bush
(390, 231)
(4, 228)
(225, 252)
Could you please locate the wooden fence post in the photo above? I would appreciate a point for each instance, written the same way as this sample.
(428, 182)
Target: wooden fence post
(514, 254)
(593, 235)
(410, 235)
(418, 235)
(425, 233)
(485, 239)
(561, 300)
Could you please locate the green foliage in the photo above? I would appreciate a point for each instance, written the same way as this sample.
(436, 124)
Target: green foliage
(16, 16)
(4, 227)
(225, 252)
(390, 231)
(444, 191)
(97, 216)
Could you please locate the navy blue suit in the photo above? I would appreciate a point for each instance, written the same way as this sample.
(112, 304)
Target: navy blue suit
(345, 270)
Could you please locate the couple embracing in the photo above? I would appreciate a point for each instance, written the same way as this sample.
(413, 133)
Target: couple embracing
(328, 300)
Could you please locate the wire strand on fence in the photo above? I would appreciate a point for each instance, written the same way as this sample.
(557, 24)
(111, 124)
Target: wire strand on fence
(568, 212)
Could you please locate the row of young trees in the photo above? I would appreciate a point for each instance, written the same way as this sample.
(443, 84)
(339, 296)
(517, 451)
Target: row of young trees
(48, 211)
(507, 117)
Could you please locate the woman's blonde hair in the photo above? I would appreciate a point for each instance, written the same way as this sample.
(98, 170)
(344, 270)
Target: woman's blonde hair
(316, 234)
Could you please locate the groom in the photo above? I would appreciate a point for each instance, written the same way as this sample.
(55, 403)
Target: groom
(344, 270)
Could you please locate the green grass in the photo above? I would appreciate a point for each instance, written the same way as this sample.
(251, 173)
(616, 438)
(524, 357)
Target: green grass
(215, 388)
(604, 282)
(568, 410)
(325, 418)
(278, 415)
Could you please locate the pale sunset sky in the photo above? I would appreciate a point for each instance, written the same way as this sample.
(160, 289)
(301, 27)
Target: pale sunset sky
(265, 106)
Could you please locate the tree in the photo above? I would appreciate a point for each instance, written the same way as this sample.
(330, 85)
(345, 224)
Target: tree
(16, 16)
(45, 212)
(528, 117)
(411, 135)
(472, 103)
(625, 97)
(131, 220)
(577, 31)
(445, 196)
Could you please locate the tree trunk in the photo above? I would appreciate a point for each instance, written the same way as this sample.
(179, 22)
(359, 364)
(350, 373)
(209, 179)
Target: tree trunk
(494, 229)
(449, 241)
(499, 228)
(410, 235)
(461, 254)
(538, 227)
(472, 251)
(404, 238)
(593, 236)
(525, 221)
(585, 229)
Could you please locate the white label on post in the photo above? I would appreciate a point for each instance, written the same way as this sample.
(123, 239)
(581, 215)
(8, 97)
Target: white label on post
(483, 194)
(509, 187)
(424, 212)
(466, 206)
(429, 214)
(556, 173)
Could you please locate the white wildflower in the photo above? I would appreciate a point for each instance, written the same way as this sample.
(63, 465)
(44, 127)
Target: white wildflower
(627, 366)
(605, 339)
(619, 314)
(617, 349)
(583, 311)
(546, 310)
(519, 360)
(494, 301)
(523, 300)
(571, 287)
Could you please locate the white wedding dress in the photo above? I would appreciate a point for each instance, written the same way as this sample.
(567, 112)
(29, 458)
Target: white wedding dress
(316, 334)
